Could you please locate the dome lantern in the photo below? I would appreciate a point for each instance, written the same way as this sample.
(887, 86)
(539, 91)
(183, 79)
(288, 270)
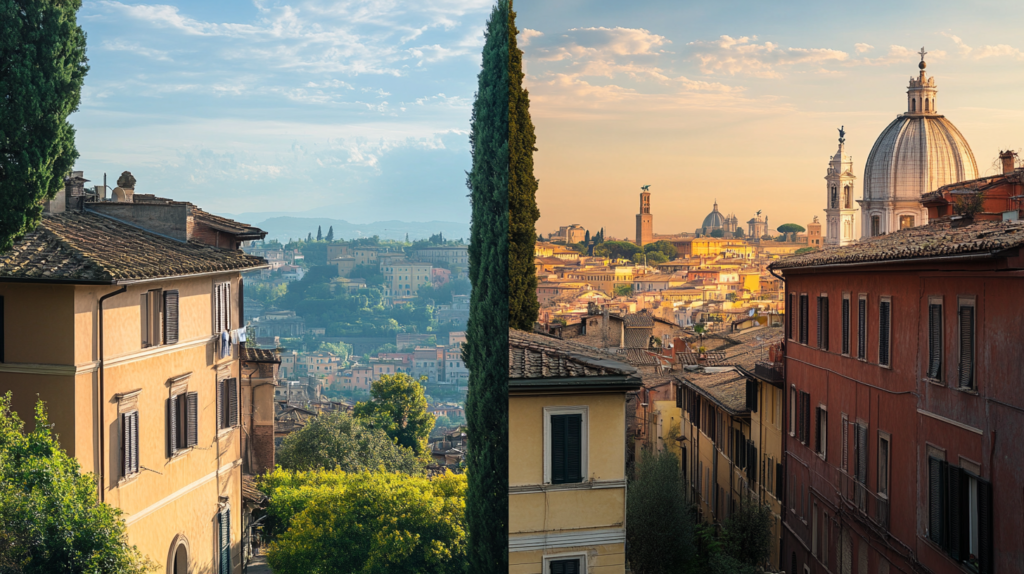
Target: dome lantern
(922, 91)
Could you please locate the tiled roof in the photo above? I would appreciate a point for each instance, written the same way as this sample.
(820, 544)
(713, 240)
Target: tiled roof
(259, 355)
(84, 246)
(729, 388)
(932, 240)
(249, 491)
(639, 320)
(638, 337)
(242, 230)
(638, 357)
(536, 356)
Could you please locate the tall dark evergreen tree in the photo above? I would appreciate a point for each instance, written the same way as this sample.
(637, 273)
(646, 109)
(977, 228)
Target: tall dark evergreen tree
(42, 67)
(586, 238)
(487, 330)
(522, 193)
(309, 237)
(330, 234)
(319, 233)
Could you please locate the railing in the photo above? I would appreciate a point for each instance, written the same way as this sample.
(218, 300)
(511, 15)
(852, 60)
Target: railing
(871, 506)
(769, 371)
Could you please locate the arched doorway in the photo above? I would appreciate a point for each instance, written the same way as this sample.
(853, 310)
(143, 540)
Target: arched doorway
(178, 559)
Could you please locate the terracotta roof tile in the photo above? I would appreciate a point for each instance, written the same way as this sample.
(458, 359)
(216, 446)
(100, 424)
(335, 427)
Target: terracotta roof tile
(933, 240)
(259, 355)
(84, 246)
(536, 356)
(728, 388)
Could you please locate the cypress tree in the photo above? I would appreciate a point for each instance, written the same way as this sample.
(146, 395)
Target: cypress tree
(522, 193)
(42, 67)
(487, 330)
(319, 233)
(330, 234)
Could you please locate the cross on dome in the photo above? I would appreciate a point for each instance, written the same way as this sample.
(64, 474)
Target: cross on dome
(922, 52)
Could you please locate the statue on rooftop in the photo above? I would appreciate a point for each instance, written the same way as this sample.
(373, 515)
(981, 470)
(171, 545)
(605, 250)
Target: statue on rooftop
(127, 180)
(842, 135)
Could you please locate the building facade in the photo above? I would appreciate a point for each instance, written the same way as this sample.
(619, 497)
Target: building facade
(840, 212)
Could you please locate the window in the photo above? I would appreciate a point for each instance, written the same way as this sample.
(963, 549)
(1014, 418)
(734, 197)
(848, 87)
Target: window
(224, 534)
(935, 338)
(967, 324)
(906, 221)
(752, 395)
(130, 443)
(792, 411)
(824, 538)
(821, 431)
(221, 307)
(790, 311)
(846, 445)
(565, 566)
(814, 529)
(227, 403)
(876, 226)
(884, 440)
(182, 421)
(884, 332)
(805, 416)
(778, 395)
(860, 455)
(846, 323)
(823, 322)
(803, 319)
(862, 327)
(960, 514)
(149, 312)
(566, 430)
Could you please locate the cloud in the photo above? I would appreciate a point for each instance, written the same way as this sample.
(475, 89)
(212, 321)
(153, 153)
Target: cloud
(122, 46)
(861, 47)
(900, 55)
(997, 51)
(732, 56)
(526, 35)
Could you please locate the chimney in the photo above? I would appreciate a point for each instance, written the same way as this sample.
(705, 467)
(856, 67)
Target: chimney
(1007, 158)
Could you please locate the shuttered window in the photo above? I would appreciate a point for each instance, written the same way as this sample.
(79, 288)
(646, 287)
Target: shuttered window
(170, 317)
(935, 340)
(821, 431)
(130, 443)
(862, 328)
(861, 452)
(884, 332)
(221, 307)
(191, 419)
(966, 368)
(846, 325)
(779, 479)
(823, 323)
(752, 395)
(150, 313)
(227, 403)
(571, 566)
(960, 514)
(936, 500)
(846, 445)
(224, 518)
(182, 424)
(803, 319)
(566, 448)
(790, 311)
(805, 418)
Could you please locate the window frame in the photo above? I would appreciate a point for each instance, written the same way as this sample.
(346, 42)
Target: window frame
(862, 328)
(823, 323)
(584, 438)
(885, 437)
(938, 378)
(792, 410)
(549, 558)
(844, 349)
(128, 405)
(964, 301)
(804, 327)
(885, 300)
(821, 432)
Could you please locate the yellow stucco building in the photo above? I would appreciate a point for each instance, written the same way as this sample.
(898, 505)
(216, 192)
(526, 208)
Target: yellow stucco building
(119, 330)
(567, 457)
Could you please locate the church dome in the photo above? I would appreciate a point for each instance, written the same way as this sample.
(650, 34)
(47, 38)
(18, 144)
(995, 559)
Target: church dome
(714, 220)
(920, 151)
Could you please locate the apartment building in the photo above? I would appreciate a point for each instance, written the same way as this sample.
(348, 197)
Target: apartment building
(404, 278)
(128, 335)
(454, 256)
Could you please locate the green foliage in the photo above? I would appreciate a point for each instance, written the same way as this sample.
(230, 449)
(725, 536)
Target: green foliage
(790, 228)
(50, 518)
(315, 253)
(441, 424)
(623, 290)
(803, 250)
(442, 295)
(42, 67)
(746, 535)
(342, 350)
(330, 234)
(968, 205)
(617, 249)
(264, 292)
(489, 318)
(664, 247)
(369, 273)
(337, 440)
(781, 238)
(399, 407)
(659, 524)
(366, 523)
(319, 233)
(650, 258)
(738, 233)
(717, 233)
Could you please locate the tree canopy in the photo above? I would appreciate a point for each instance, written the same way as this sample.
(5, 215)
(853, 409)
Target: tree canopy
(50, 518)
(664, 247)
(659, 530)
(399, 407)
(790, 228)
(617, 249)
(338, 440)
(43, 62)
(717, 233)
(366, 523)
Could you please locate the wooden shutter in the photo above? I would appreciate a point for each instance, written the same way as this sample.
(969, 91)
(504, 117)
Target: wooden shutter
(790, 311)
(883, 333)
(966, 346)
(574, 448)
(934, 341)
(862, 453)
(800, 418)
(560, 467)
(232, 404)
(821, 315)
(986, 538)
(225, 541)
(192, 419)
(172, 426)
(226, 305)
(679, 396)
(824, 324)
(956, 503)
(170, 317)
(862, 316)
(130, 442)
(755, 392)
(817, 430)
(846, 326)
(221, 401)
(216, 309)
(144, 318)
(936, 499)
(846, 445)
(803, 319)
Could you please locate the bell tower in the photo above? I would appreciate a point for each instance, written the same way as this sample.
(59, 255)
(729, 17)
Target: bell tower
(644, 219)
(840, 213)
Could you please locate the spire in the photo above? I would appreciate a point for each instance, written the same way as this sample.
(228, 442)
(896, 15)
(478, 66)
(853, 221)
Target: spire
(921, 91)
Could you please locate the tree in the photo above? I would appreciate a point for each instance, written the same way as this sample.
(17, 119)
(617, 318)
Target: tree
(399, 407)
(659, 525)
(746, 535)
(42, 67)
(309, 237)
(330, 233)
(617, 249)
(738, 233)
(790, 228)
(623, 291)
(50, 518)
(338, 440)
(370, 523)
(489, 319)
(586, 238)
(522, 193)
(664, 247)
(717, 233)
(803, 250)
(319, 233)
(651, 258)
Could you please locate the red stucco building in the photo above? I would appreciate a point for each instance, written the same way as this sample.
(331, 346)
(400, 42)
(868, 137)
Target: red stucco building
(905, 408)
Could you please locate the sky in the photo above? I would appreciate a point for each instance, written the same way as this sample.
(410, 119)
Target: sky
(357, 110)
(741, 101)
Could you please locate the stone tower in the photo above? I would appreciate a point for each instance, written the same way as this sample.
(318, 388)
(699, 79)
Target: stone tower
(644, 219)
(840, 207)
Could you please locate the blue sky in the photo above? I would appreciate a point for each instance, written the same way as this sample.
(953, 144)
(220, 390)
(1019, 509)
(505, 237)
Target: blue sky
(740, 101)
(356, 110)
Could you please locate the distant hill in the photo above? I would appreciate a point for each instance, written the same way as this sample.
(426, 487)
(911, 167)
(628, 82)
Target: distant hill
(285, 227)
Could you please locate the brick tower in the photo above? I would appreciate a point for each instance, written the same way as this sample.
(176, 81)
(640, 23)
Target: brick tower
(644, 219)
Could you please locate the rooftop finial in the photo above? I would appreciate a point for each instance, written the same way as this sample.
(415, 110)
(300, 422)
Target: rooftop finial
(922, 53)
(842, 135)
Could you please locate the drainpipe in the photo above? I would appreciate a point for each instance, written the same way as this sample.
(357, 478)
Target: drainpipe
(102, 462)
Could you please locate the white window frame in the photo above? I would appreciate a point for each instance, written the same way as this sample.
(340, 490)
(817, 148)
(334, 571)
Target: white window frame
(584, 438)
(882, 435)
(548, 558)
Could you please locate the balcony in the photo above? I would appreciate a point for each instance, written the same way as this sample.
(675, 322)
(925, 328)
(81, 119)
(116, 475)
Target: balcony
(772, 372)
